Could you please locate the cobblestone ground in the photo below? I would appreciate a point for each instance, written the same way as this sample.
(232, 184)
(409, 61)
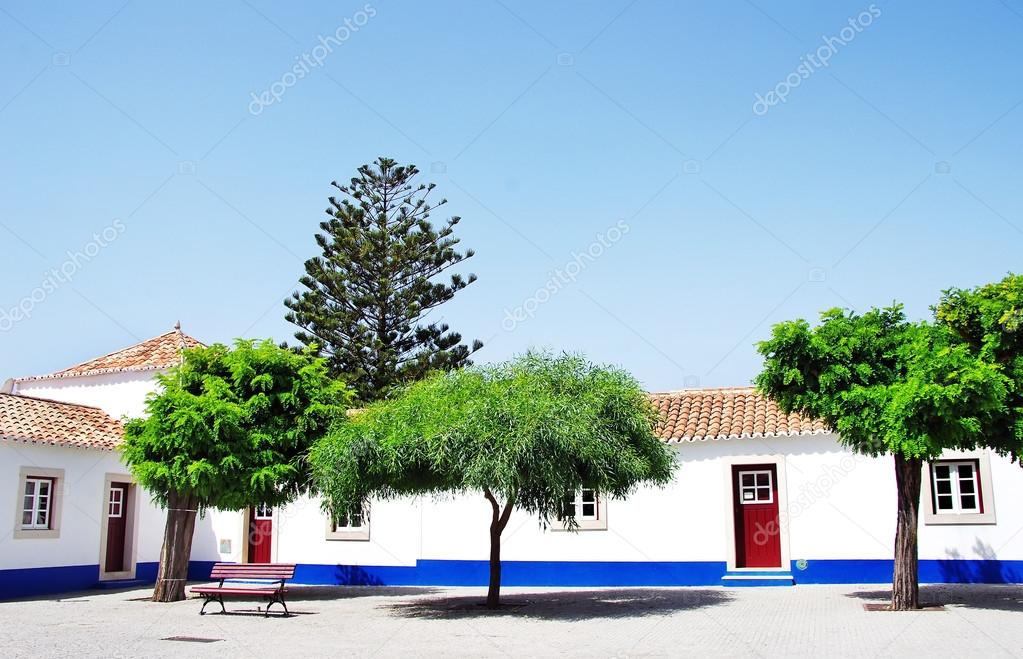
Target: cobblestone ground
(977, 621)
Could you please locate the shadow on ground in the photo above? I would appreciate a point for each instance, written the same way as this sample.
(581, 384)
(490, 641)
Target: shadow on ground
(566, 605)
(309, 593)
(997, 597)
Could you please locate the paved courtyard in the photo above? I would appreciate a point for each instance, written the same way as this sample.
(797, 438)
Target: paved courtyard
(980, 621)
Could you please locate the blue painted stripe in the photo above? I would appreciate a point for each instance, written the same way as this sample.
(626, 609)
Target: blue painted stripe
(847, 571)
(32, 582)
(35, 581)
(701, 573)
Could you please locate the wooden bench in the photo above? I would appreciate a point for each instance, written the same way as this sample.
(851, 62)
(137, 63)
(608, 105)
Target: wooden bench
(270, 578)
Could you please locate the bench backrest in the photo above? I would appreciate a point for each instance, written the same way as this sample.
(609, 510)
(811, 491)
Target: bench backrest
(274, 571)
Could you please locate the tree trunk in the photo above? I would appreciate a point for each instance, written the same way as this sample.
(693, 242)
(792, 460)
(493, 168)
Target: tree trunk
(177, 548)
(905, 580)
(498, 521)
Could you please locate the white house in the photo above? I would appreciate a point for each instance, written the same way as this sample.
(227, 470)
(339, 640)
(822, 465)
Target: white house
(760, 498)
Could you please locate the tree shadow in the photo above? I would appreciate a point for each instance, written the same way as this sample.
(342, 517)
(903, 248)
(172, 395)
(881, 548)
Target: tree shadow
(996, 597)
(566, 605)
(989, 569)
(300, 593)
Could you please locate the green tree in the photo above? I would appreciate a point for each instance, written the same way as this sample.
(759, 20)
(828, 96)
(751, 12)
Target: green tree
(524, 434)
(228, 429)
(989, 319)
(886, 386)
(367, 296)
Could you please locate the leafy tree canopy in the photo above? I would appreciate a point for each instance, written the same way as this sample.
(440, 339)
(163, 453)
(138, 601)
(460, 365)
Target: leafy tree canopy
(884, 384)
(367, 296)
(528, 432)
(989, 319)
(231, 428)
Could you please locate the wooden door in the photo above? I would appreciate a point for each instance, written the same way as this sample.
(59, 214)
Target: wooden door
(757, 528)
(117, 525)
(261, 525)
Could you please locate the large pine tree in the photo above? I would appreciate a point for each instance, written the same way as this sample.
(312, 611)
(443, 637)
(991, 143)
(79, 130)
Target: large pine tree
(367, 296)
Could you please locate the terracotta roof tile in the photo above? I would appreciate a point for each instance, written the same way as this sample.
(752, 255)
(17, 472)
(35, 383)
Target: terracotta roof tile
(157, 353)
(40, 421)
(702, 414)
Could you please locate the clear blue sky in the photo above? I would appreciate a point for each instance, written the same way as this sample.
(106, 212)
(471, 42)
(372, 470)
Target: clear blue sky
(891, 173)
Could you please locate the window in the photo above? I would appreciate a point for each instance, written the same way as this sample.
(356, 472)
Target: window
(355, 527)
(582, 505)
(960, 490)
(588, 508)
(115, 506)
(38, 503)
(755, 487)
(263, 511)
(956, 487)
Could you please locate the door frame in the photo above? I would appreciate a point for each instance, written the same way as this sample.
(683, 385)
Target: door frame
(778, 462)
(246, 518)
(131, 525)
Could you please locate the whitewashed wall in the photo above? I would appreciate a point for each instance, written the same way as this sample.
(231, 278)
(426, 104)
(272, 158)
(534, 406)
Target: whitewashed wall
(82, 500)
(841, 506)
(117, 394)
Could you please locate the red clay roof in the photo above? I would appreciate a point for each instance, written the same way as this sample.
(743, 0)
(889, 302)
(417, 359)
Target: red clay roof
(734, 413)
(40, 421)
(157, 353)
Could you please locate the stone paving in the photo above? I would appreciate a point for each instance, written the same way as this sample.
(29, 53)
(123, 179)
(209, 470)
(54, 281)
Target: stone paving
(977, 621)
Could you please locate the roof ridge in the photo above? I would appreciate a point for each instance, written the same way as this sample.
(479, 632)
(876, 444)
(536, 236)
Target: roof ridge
(704, 390)
(112, 353)
(56, 402)
(151, 354)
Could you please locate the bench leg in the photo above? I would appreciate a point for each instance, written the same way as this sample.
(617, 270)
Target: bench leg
(275, 600)
(212, 598)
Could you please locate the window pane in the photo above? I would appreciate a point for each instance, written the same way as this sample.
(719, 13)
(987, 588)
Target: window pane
(945, 502)
(966, 487)
(943, 487)
(763, 479)
(589, 510)
(941, 471)
(30, 487)
(969, 502)
(747, 480)
(589, 495)
(764, 494)
(41, 518)
(44, 487)
(26, 518)
(29, 502)
(966, 471)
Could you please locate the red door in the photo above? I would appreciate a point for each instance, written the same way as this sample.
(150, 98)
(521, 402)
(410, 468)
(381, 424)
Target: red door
(757, 529)
(117, 524)
(261, 526)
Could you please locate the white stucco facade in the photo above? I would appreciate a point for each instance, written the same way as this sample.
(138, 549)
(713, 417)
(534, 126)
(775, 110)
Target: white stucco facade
(835, 520)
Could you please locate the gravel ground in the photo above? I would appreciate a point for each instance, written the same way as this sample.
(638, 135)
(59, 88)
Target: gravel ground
(801, 621)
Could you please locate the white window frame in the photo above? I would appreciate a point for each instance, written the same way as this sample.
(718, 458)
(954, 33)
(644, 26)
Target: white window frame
(359, 533)
(595, 522)
(955, 482)
(115, 505)
(54, 504)
(756, 487)
(982, 482)
(33, 493)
